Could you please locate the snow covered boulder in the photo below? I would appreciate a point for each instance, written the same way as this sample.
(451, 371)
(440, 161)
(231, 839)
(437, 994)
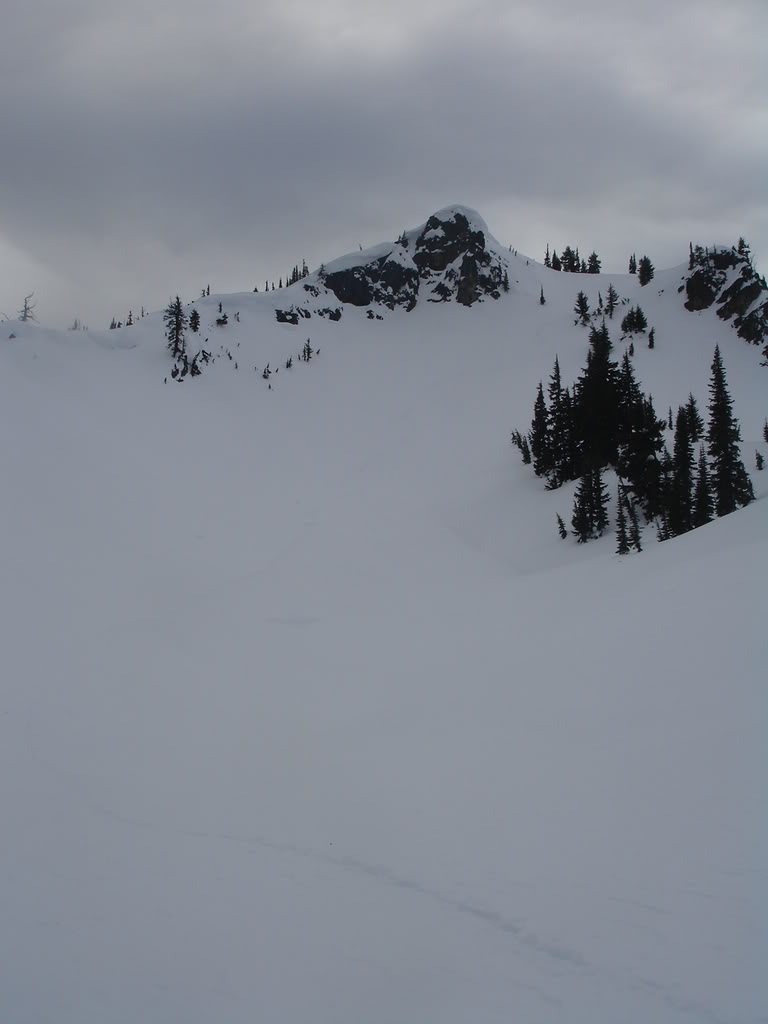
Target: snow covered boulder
(384, 275)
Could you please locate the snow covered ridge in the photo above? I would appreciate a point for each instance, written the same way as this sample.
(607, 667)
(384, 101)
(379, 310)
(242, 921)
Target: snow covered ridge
(451, 257)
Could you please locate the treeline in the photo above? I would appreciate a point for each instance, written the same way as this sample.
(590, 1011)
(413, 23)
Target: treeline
(570, 262)
(605, 421)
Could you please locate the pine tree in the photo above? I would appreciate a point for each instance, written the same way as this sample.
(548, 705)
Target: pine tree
(561, 527)
(622, 541)
(547, 257)
(525, 451)
(129, 321)
(759, 461)
(652, 338)
(645, 271)
(556, 265)
(670, 421)
(690, 255)
(611, 301)
(681, 498)
(175, 320)
(703, 507)
(695, 422)
(765, 431)
(580, 519)
(730, 483)
(633, 264)
(581, 309)
(542, 300)
(194, 321)
(539, 436)
(640, 319)
(599, 501)
(560, 431)
(596, 406)
(634, 526)
(505, 281)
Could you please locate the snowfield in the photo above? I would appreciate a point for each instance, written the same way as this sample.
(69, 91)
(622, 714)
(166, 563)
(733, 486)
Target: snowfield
(308, 714)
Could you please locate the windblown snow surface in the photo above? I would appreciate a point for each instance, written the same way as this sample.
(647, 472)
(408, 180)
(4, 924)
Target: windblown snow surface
(307, 713)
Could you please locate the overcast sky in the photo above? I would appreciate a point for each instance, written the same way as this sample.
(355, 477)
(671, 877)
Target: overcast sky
(154, 147)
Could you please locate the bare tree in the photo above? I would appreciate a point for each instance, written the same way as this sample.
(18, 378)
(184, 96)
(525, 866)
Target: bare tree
(28, 311)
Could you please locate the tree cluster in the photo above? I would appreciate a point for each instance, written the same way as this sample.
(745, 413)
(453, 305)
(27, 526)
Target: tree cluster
(606, 422)
(570, 262)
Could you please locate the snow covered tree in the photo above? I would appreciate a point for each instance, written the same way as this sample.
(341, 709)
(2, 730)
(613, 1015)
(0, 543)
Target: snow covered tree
(593, 267)
(759, 461)
(730, 483)
(194, 321)
(633, 264)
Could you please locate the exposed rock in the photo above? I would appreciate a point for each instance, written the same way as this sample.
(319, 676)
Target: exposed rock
(739, 300)
(451, 260)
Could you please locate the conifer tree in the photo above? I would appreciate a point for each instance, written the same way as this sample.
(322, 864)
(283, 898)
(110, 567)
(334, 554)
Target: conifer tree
(547, 257)
(175, 320)
(652, 338)
(561, 527)
(560, 431)
(759, 461)
(542, 300)
(556, 265)
(765, 431)
(681, 498)
(703, 506)
(194, 321)
(595, 413)
(525, 451)
(581, 309)
(730, 483)
(539, 436)
(645, 271)
(505, 281)
(599, 501)
(695, 422)
(611, 301)
(622, 541)
(633, 264)
(634, 525)
(580, 519)
(690, 255)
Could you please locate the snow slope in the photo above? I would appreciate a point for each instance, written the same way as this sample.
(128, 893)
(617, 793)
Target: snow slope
(306, 712)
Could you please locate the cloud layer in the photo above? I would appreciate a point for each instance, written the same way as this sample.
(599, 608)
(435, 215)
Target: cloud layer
(150, 151)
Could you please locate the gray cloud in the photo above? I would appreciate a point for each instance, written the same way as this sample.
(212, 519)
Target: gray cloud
(148, 151)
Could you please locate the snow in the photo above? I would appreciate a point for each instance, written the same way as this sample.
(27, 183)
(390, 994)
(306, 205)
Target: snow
(307, 713)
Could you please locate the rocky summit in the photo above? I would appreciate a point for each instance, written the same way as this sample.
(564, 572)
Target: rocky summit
(450, 258)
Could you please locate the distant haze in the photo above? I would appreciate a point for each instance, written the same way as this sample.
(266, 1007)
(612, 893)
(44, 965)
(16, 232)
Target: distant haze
(149, 150)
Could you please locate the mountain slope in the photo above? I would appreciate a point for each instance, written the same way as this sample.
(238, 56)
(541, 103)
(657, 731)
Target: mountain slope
(307, 712)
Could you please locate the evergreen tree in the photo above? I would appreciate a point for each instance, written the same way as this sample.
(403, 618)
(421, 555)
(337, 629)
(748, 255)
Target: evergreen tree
(568, 260)
(525, 451)
(681, 498)
(194, 321)
(765, 431)
(645, 271)
(670, 421)
(633, 264)
(539, 438)
(542, 300)
(561, 527)
(547, 257)
(703, 506)
(759, 461)
(695, 422)
(622, 541)
(581, 309)
(175, 320)
(596, 412)
(556, 265)
(599, 500)
(730, 483)
(560, 468)
(634, 526)
(612, 299)
(129, 321)
(640, 320)
(652, 338)
(583, 269)
(581, 519)
(505, 281)
(690, 255)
